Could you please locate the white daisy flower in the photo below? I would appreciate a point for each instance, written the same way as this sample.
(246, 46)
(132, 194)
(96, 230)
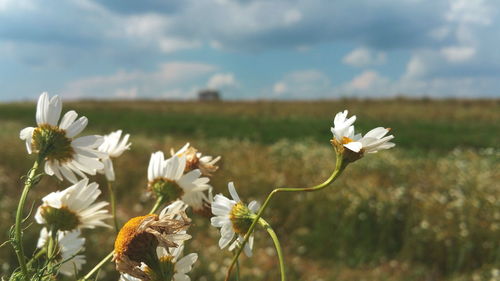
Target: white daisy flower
(343, 126)
(176, 265)
(167, 179)
(73, 208)
(64, 154)
(68, 246)
(195, 160)
(234, 218)
(113, 148)
(136, 253)
(371, 142)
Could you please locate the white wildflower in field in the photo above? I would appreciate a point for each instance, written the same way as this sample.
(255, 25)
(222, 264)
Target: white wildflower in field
(73, 208)
(166, 178)
(136, 246)
(174, 264)
(69, 244)
(234, 218)
(195, 160)
(65, 155)
(343, 126)
(373, 141)
(112, 147)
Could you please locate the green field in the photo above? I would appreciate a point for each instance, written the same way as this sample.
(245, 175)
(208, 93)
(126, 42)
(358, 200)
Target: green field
(427, 210)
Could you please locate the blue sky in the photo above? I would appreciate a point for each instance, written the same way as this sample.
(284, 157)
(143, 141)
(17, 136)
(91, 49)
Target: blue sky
(249, 49)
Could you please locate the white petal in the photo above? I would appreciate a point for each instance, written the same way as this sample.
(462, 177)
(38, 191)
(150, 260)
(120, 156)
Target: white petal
(354, 146)
(233, 192)
(219, 221)
(181, 277)
(248, 246)
(42, 108)
(378, 133)
(54, 110)
(254, 206)
(77, 127)
(108, 169)
(27, 135)
(92, 141)
(68, 119)
(225, 240)
(68, 174)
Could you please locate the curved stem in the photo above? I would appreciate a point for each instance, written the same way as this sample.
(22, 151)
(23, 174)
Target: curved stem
(112, 199)
(339, 167)
(277, 245)
(157, 205)
(18, 247)
(98, 266)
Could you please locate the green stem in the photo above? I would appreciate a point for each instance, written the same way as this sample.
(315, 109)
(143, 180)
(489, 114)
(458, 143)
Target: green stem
(277, 245)
(339, 167)
(37, 255)
(112, 199)
(18, 247)
(237, 271)
(98, 266)
(157, 205)
(51, 248)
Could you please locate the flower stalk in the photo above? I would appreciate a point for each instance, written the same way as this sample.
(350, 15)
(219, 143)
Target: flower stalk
(31, 179)
(277, 245)
(98, 266)
(157, 205)
(339, 167)
(112, 200)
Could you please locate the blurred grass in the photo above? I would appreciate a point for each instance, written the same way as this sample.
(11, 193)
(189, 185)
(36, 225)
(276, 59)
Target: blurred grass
(426, 210)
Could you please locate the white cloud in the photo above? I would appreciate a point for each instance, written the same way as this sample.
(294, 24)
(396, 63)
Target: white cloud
(130, 93)
(169, 78)
(364, 81)
(280, 88)
(222, 80)
(310, 83)
(458, 53)
(292, 16)
(362, 57)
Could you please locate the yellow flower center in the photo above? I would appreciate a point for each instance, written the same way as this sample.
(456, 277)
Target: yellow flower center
(165, 269)
(51, 141)
(346, 140)
(134, 243)
(241, 218)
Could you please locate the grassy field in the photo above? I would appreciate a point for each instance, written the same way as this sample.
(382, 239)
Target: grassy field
(427, 210)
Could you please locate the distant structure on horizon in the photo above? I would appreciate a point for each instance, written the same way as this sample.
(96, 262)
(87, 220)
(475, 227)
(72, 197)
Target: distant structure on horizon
(209, 95)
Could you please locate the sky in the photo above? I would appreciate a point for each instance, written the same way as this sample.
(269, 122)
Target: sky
(249, 49)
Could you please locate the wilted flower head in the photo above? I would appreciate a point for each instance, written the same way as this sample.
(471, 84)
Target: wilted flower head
(195, 160)
(136, 244)
(344, 137)
(73, 208)
(173, 266)
(64, 154)
(69, 244)
(113, 147)
(234, 218)
(167, 179)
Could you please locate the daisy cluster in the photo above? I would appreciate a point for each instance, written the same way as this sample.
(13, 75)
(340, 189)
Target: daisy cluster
(181, 181)
(147, 247)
